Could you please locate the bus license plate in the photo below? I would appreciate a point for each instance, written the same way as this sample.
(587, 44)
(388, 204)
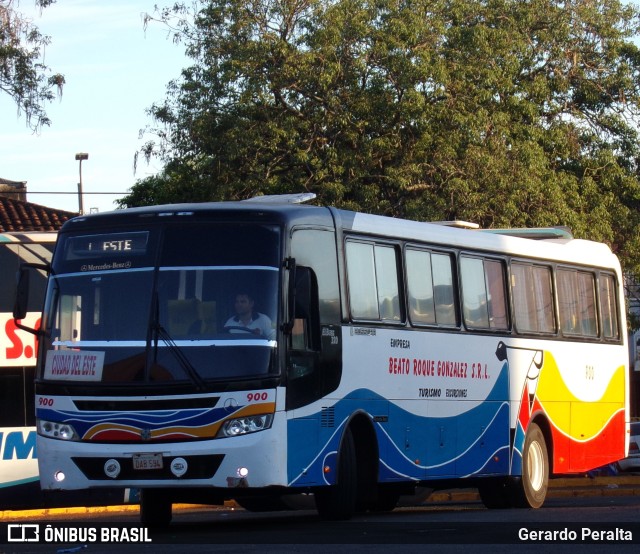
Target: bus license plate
(147, 461)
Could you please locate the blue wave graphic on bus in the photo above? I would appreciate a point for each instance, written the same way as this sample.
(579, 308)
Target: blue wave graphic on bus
(475, 442)
(151, 420)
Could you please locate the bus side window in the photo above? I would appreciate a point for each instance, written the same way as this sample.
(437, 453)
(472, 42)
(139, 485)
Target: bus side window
(420, 287)
(483, 293)
(443, 291)
(576, 301)
(532, 292)
(374, 289)
(430, 288)
(609, 307)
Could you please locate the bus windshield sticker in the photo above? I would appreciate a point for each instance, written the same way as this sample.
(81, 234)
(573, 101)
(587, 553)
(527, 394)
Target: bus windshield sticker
(74, 365)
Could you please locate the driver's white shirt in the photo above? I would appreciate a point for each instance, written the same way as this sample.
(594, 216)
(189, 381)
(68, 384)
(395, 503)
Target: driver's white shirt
(259, 321)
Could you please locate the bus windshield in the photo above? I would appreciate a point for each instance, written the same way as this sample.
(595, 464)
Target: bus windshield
(179, 303)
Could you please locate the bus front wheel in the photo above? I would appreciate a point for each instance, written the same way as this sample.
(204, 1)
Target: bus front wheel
(338, 502)
(531, 490)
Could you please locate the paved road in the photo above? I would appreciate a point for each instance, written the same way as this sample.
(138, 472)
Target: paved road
(449, 526)
(450, 521)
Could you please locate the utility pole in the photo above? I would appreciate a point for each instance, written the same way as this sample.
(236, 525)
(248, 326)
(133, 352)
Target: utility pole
(79, 157)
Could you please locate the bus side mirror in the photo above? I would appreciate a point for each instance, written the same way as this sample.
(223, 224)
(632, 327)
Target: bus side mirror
(303, 299)
(22, 293)
(306, 304)
(20, 307)
(290, 264)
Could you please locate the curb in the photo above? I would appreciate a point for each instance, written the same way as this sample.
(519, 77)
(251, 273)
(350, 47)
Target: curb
(43, 513)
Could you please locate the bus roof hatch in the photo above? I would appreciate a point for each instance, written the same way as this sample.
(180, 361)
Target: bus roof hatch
(458, 223)
(539, 233)
(296, 198)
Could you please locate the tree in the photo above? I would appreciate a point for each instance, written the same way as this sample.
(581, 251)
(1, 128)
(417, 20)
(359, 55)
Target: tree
(23, 76)
(503, 112)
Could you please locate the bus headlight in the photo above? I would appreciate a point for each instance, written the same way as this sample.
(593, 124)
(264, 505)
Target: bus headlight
(245, 425)
(56, 430)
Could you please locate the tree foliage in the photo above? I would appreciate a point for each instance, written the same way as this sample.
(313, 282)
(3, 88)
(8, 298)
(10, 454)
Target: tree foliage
(502, 112)
(23, 75)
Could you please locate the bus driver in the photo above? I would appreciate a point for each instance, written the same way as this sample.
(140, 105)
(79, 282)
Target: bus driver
(248, 320)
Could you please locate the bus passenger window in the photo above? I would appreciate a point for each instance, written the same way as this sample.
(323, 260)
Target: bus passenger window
(497, 302)
(363, 295)
(483, 293)
(576, 302)
(420, 287)
(430, 288)
(532, 298)
(443, 291)
(587, 295)
(374, 291)
(608, 307)
(387, 280)
(474, 293)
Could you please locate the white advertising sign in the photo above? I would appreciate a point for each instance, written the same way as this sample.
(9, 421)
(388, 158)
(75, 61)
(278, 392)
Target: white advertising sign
(17, 347)
(18, 461)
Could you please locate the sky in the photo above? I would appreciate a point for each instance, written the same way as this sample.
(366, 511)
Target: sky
(114, 71)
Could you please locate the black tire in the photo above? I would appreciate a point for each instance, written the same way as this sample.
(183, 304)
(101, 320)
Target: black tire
(531, 490)
(338, 502)
(155, 508)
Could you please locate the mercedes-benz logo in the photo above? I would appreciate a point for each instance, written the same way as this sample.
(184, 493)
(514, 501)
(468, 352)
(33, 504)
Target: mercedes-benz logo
(230, 404)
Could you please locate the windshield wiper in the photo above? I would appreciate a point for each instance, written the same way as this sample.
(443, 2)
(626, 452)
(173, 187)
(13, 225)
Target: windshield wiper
(185, 364)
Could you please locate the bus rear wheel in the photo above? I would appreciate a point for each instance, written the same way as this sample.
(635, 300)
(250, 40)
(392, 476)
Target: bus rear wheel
(531, 490)
(338, 502)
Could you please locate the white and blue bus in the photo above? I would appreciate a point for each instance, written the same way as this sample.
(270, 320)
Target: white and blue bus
(18, 462)
(259, 349)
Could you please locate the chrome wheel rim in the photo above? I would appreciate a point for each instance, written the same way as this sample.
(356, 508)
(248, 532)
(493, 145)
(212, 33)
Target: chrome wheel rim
(535, 466)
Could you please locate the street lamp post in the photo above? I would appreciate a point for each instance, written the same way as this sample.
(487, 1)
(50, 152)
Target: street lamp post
(79, 157)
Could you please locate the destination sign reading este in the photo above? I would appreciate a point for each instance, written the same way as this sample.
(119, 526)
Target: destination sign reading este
(97, 246)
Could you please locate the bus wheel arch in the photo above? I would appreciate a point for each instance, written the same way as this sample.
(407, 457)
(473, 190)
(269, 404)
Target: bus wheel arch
(357, 472)
(367, 459)
(338, 501)
(371, 494)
